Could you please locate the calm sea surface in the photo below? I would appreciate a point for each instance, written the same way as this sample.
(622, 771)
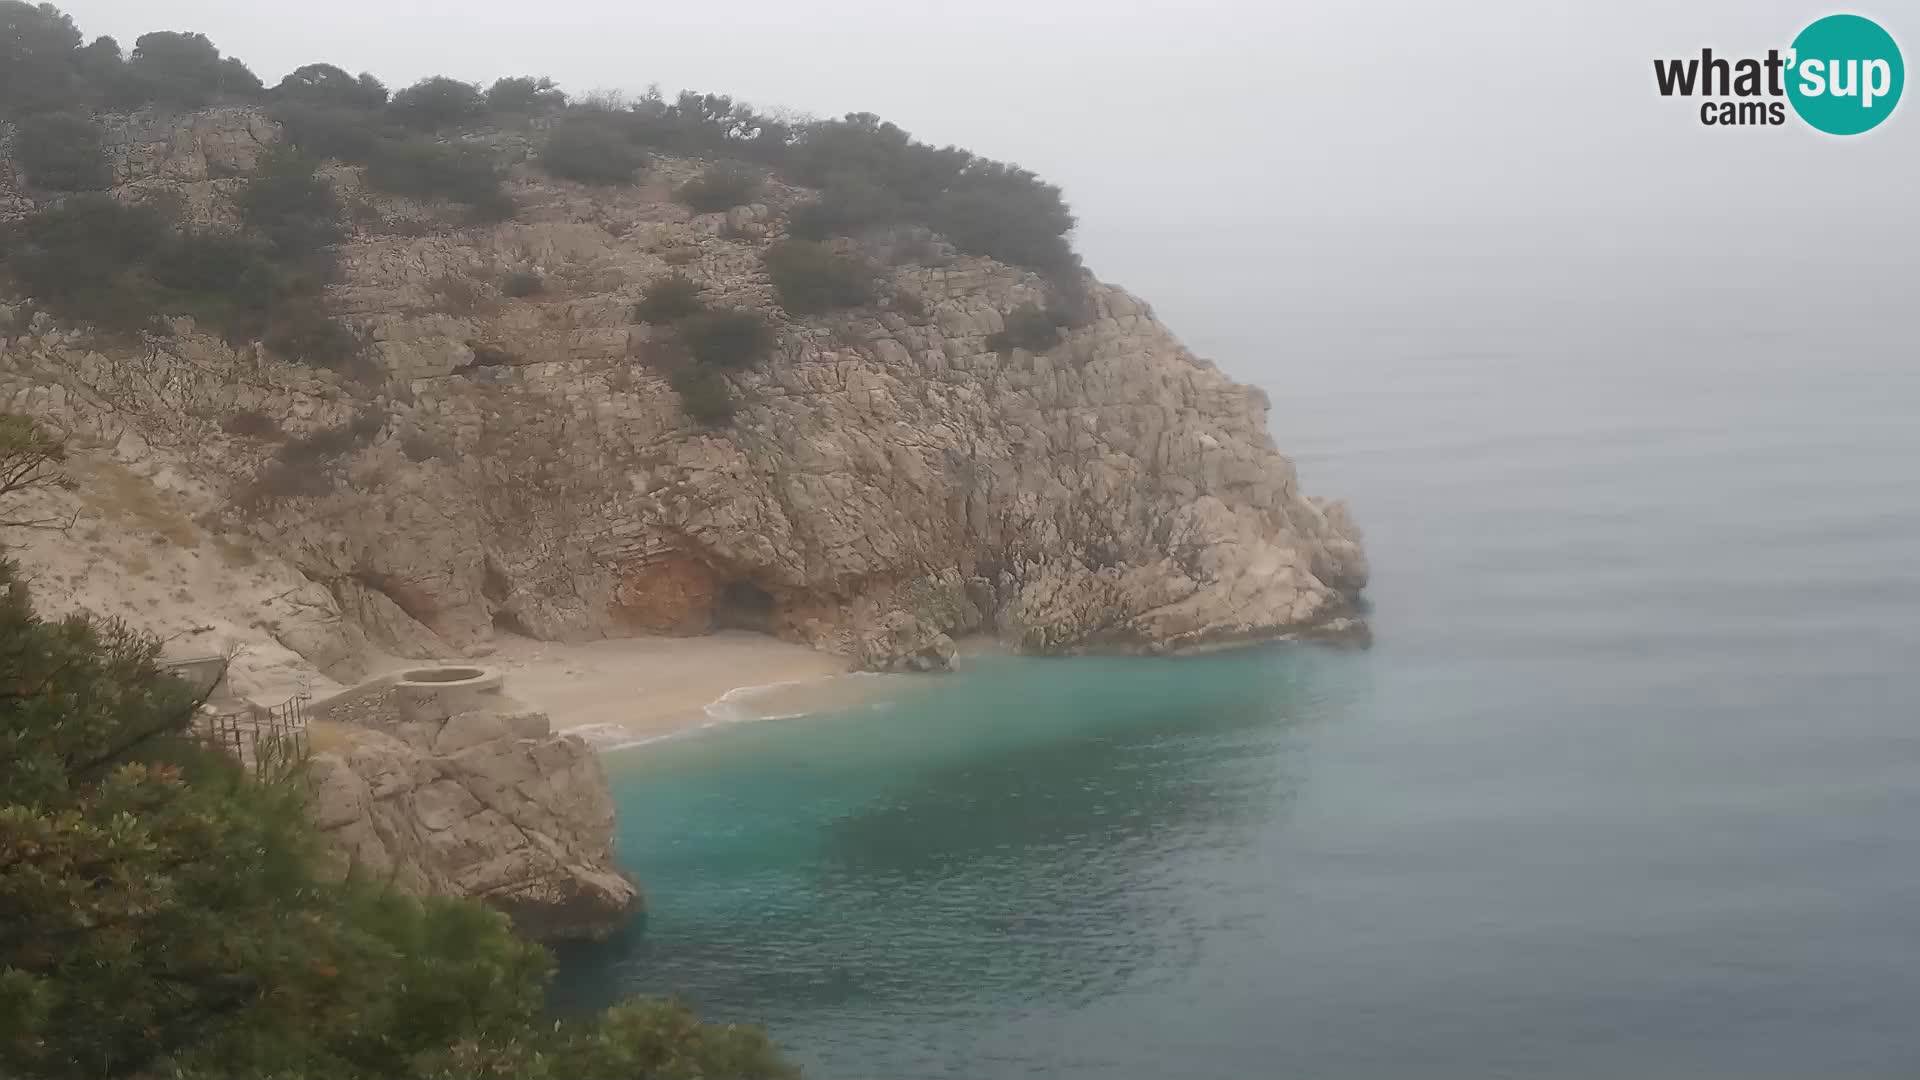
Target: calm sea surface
(1629, 785)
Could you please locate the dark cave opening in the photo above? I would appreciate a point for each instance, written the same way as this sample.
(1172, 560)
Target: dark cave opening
(742, 605)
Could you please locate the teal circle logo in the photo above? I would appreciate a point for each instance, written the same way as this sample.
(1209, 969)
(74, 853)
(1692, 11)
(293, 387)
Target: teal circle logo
(1846, 75)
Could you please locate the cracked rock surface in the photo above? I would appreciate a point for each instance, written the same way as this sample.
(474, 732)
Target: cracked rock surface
(485, 802)
(888, 483)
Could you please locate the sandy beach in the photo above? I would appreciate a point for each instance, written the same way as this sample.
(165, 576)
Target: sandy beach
(626, 691)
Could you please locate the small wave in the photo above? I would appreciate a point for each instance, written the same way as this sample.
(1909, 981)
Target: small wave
(786, 700)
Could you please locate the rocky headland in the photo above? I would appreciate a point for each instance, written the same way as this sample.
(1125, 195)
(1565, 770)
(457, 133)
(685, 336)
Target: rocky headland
(512, 453)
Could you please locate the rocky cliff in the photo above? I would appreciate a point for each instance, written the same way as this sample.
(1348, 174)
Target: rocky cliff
(516, 463)
(456, 790)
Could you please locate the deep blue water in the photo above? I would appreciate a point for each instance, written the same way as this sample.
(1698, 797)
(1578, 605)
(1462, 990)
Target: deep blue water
(1629, 784)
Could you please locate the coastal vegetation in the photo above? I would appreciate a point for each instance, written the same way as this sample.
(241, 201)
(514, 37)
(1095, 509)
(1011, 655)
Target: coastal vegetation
(165, 912)
(126, 267)
(869, 172)
(1029, 327)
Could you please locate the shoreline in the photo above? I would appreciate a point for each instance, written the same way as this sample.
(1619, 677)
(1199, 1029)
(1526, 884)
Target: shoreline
(623, 693)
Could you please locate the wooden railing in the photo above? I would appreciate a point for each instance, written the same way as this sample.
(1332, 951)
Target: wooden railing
(266, 739)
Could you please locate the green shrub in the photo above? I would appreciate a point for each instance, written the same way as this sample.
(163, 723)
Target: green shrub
(909, 304)
(871, 173)
(708, 125)
(523, 283)
(62, 151)
(592, 153)
(427, 170)
(182, 70)
(437, 102)
(330, 131)
(849, 202)
(169, 910)
(813, 278)
(524, 94)
(39, 46)
(295, 210)
(223, 280)
(81, 261)
(722, 186)
(326, 85)
(667, 299)
(704, 393)
(1028, 327)
(303, 332)
(491, 207)
(733, 338)
(1007, 214)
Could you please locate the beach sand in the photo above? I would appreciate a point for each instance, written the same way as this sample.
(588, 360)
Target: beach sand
(631, 690)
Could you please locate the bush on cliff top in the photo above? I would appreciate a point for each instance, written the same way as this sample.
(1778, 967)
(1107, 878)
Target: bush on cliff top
(437, 102)
(869, 172)
(167, 913)
(427, 170)
(327, 85)
(524, 94)
(813, 279)
(722, 186)
(1028, 327)
(62, 151)
(592, 153)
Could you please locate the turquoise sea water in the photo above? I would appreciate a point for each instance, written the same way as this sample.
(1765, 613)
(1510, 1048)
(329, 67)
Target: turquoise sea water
(1628, 785)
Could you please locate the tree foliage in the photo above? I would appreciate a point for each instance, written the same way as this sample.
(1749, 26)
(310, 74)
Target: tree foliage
(327, 85)
(708, 125)
(1028, 327)
(728, 338)
(592, 151)
(723, 186)
(31, 458)
(184, 70)
(163, 913)
(669, 298)
(704, 393)
(812, 278)
(62, 151)
(524, 94)
(437, 102)
(429, 170)
(39, 58)
(871, 172)
(292, 207)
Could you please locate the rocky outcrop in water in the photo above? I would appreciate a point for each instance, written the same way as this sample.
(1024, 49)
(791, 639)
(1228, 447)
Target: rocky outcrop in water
(464, 793)
(889, 482)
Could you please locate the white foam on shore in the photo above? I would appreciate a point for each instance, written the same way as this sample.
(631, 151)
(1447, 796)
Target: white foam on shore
(745, 705)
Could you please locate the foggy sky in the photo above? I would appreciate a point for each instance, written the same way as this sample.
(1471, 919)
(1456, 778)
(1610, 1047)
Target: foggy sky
(1518, 121)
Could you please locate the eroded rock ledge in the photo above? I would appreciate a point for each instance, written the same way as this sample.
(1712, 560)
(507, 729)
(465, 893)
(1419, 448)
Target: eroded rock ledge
(437, 782)
(888, 482)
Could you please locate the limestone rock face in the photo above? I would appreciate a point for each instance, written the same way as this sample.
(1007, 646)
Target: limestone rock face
(485, 802)
(889, 481)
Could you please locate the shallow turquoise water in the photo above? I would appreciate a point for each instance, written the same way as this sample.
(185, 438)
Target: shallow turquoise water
(1627, 787)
